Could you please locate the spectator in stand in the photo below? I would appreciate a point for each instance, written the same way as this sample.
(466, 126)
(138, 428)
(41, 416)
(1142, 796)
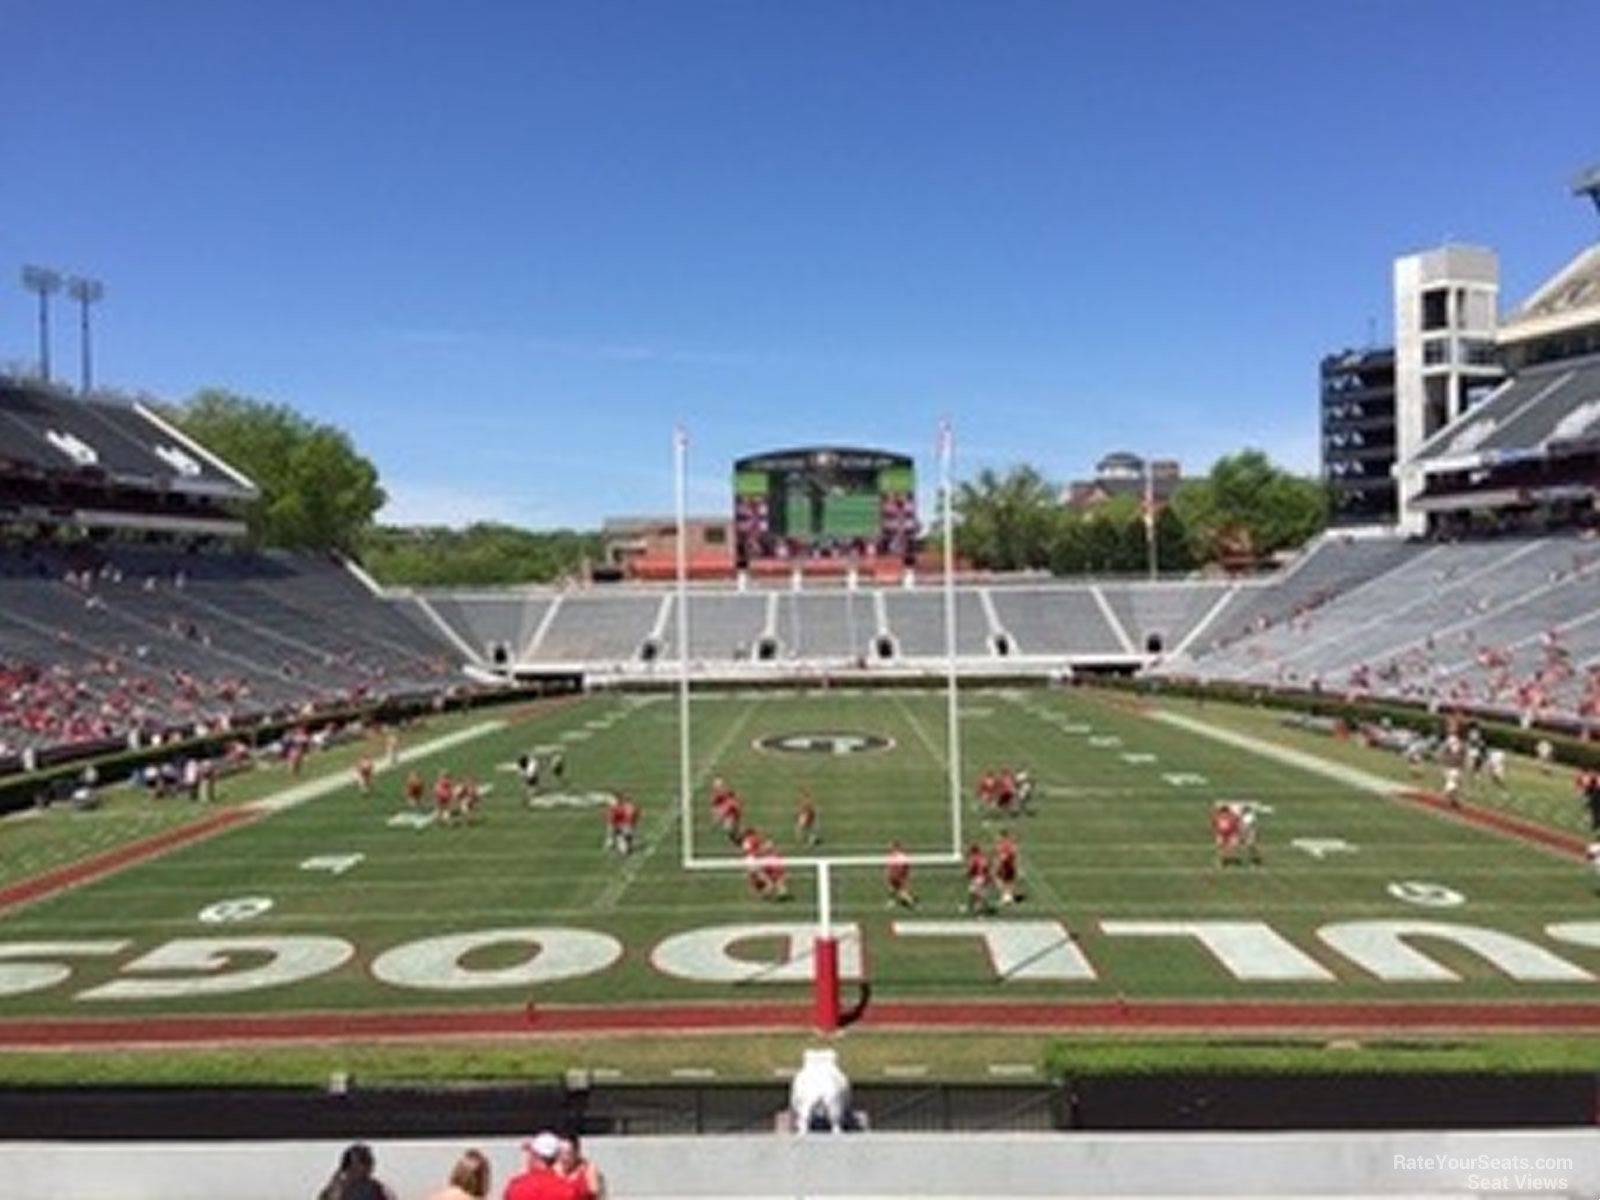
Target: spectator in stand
(571, 1165)
(469, 1179)
(354, 1180)
(541, 1181)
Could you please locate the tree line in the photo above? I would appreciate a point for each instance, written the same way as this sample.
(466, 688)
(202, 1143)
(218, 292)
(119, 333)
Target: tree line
(319, 493)
(1244, 510)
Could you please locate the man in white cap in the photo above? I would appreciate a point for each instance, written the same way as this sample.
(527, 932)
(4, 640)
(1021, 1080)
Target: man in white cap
(540, 1181)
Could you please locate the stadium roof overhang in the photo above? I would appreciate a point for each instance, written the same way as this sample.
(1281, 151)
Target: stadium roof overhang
(836, 458)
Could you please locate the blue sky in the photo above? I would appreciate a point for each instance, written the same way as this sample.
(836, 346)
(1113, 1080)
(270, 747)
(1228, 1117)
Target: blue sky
(508, 245)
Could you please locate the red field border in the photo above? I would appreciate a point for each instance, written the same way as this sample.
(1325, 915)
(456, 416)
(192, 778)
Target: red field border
(1517, 827)
(89, 870)
(558, 1022)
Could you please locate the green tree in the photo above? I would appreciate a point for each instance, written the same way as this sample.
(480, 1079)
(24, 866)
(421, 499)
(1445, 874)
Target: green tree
(1173, 552)
(317, 491)
(481, 555)
(1006, 523)
(1247, 508)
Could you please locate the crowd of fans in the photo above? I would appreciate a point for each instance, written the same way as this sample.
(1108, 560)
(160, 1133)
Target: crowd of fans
(554, 1168)
(145, 660)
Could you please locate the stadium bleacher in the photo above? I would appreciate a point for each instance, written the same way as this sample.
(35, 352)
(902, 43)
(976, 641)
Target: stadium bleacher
(916, 622)
(101, 641)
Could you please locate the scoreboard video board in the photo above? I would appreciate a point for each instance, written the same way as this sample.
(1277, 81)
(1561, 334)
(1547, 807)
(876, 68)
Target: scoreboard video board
(825, 502)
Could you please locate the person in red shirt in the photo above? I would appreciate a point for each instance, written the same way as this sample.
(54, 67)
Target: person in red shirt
(898, 877)
(444, 794)
(414, 790)
(729, 812)
(979, 879)
(987, 790)
(541, 1180)
(573, 1166)
(757, 877)
(622, 824)
(1225, 828)
(805, 820)
(1005, 791)
(774, 870)
(364, 776)
(1005, 867)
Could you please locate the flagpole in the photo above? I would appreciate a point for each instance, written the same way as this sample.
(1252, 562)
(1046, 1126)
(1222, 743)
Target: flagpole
(680, 462)
(953, 707)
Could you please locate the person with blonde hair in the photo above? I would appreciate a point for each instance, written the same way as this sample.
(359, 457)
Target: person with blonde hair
(469, 1179)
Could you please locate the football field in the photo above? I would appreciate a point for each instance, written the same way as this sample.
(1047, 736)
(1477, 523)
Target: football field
(317, 899)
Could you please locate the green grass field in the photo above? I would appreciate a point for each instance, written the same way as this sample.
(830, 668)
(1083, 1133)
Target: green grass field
(1121, 834)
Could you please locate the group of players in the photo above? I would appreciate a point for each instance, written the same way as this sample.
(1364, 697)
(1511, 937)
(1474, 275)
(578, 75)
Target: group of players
(992, 875)
(1005, 792)
(455, 801)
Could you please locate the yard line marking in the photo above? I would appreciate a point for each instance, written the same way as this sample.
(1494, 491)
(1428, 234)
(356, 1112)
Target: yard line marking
(605, 1074)
(613, 891)
(1354, 777)
(905, 1070)
(693, 1073)
(1012, 1070)
(922, 733)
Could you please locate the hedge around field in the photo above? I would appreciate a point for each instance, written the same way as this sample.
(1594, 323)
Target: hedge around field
(1496, 731)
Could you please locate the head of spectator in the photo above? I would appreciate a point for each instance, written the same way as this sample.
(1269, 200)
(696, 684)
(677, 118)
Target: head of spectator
(469, 1179)
(354, 1178)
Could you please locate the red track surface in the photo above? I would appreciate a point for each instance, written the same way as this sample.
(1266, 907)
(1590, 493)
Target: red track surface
(91, 869)
(1155, 1017)
(1488, 818)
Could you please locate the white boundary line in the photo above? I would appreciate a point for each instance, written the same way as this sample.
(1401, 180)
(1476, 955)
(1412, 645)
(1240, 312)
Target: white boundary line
(295, 796)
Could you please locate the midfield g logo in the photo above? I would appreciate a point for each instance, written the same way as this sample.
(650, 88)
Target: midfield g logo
(824, 743)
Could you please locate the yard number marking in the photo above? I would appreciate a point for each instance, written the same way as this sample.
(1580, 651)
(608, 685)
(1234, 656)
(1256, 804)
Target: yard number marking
(1427, 895)
(244, 908)
(1321, 848)
(334, 864)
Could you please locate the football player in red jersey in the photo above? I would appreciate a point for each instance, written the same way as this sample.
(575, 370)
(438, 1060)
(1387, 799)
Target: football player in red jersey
(898, 877)
(980, 878)
(1006, 871)
(1225, 829)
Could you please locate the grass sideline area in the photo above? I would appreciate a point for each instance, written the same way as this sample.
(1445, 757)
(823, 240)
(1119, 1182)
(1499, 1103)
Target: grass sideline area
(732, 1058)
(1121, 834)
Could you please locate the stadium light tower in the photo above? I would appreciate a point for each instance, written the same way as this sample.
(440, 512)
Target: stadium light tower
(85, 292)
(1588, 184)
(44, 283)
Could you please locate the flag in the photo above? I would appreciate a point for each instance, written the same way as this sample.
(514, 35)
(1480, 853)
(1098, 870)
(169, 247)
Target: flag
(680, 439)
(947, 439)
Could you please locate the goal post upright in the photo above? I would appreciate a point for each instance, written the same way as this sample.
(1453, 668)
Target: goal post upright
(680, 466)
(953, 703)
